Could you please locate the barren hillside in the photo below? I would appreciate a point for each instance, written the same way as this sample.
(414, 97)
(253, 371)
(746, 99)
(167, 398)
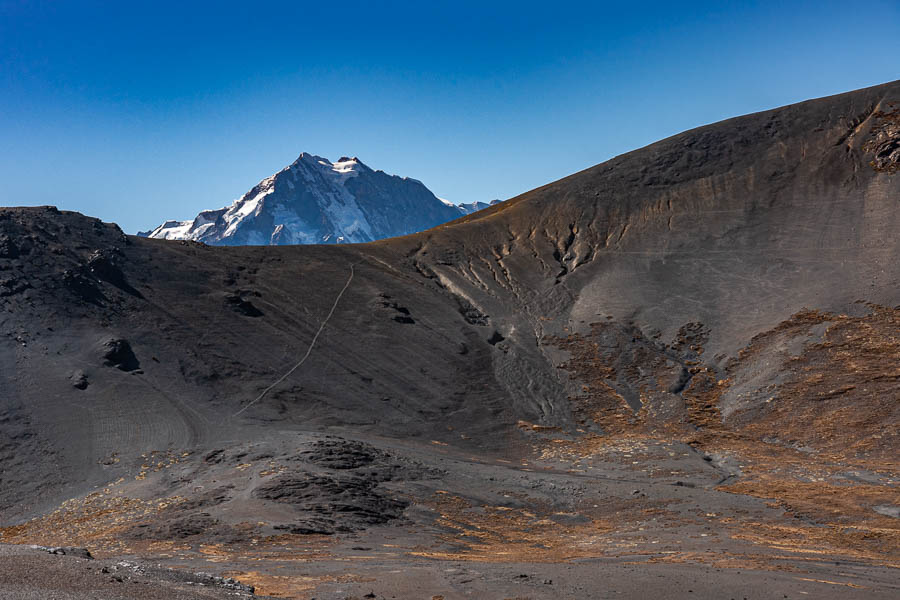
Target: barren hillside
(682, 362)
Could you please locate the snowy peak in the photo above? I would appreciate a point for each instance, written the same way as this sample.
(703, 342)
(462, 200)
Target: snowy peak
(352, 164)
(467, 209)
(342, 166)
(471, 207)
(316, 201)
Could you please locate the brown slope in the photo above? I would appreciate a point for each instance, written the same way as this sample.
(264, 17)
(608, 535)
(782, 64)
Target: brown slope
(765, 210)
(728, 229)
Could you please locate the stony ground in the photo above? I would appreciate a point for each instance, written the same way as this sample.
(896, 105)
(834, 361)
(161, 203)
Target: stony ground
(624, 516)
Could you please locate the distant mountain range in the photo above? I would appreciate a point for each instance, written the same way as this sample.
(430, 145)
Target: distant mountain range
(316, 201)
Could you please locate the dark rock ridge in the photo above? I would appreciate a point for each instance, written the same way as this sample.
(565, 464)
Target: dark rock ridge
(315, 201)
(118, 353)
(330, 503)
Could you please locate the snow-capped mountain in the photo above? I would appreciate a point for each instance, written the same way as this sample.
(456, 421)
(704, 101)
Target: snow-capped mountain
(316, 201)
(471, 207)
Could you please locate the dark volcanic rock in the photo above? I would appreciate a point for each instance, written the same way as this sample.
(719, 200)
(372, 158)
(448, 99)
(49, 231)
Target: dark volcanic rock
(884, 143)
(178, 528)
(118, 353)
(333, 503)
(11, 286)
(103, 265)
(79, 380)
(365, 460)
(342, 454)
(8, 248)
(70, 551)
(241, 305)
(386, 306)
(82, 286)
(207, 499)
(472, 315)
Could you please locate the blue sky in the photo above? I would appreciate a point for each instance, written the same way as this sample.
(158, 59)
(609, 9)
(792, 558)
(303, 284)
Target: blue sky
(137, 112)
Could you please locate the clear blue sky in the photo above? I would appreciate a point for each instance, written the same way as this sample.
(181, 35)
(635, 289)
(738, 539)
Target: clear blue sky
(137, 112)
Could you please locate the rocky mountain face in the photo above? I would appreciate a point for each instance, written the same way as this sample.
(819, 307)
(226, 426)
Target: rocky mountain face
(685, 357)
(316, 201)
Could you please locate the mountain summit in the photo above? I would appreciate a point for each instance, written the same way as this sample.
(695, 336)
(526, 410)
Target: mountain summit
(316, 201)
